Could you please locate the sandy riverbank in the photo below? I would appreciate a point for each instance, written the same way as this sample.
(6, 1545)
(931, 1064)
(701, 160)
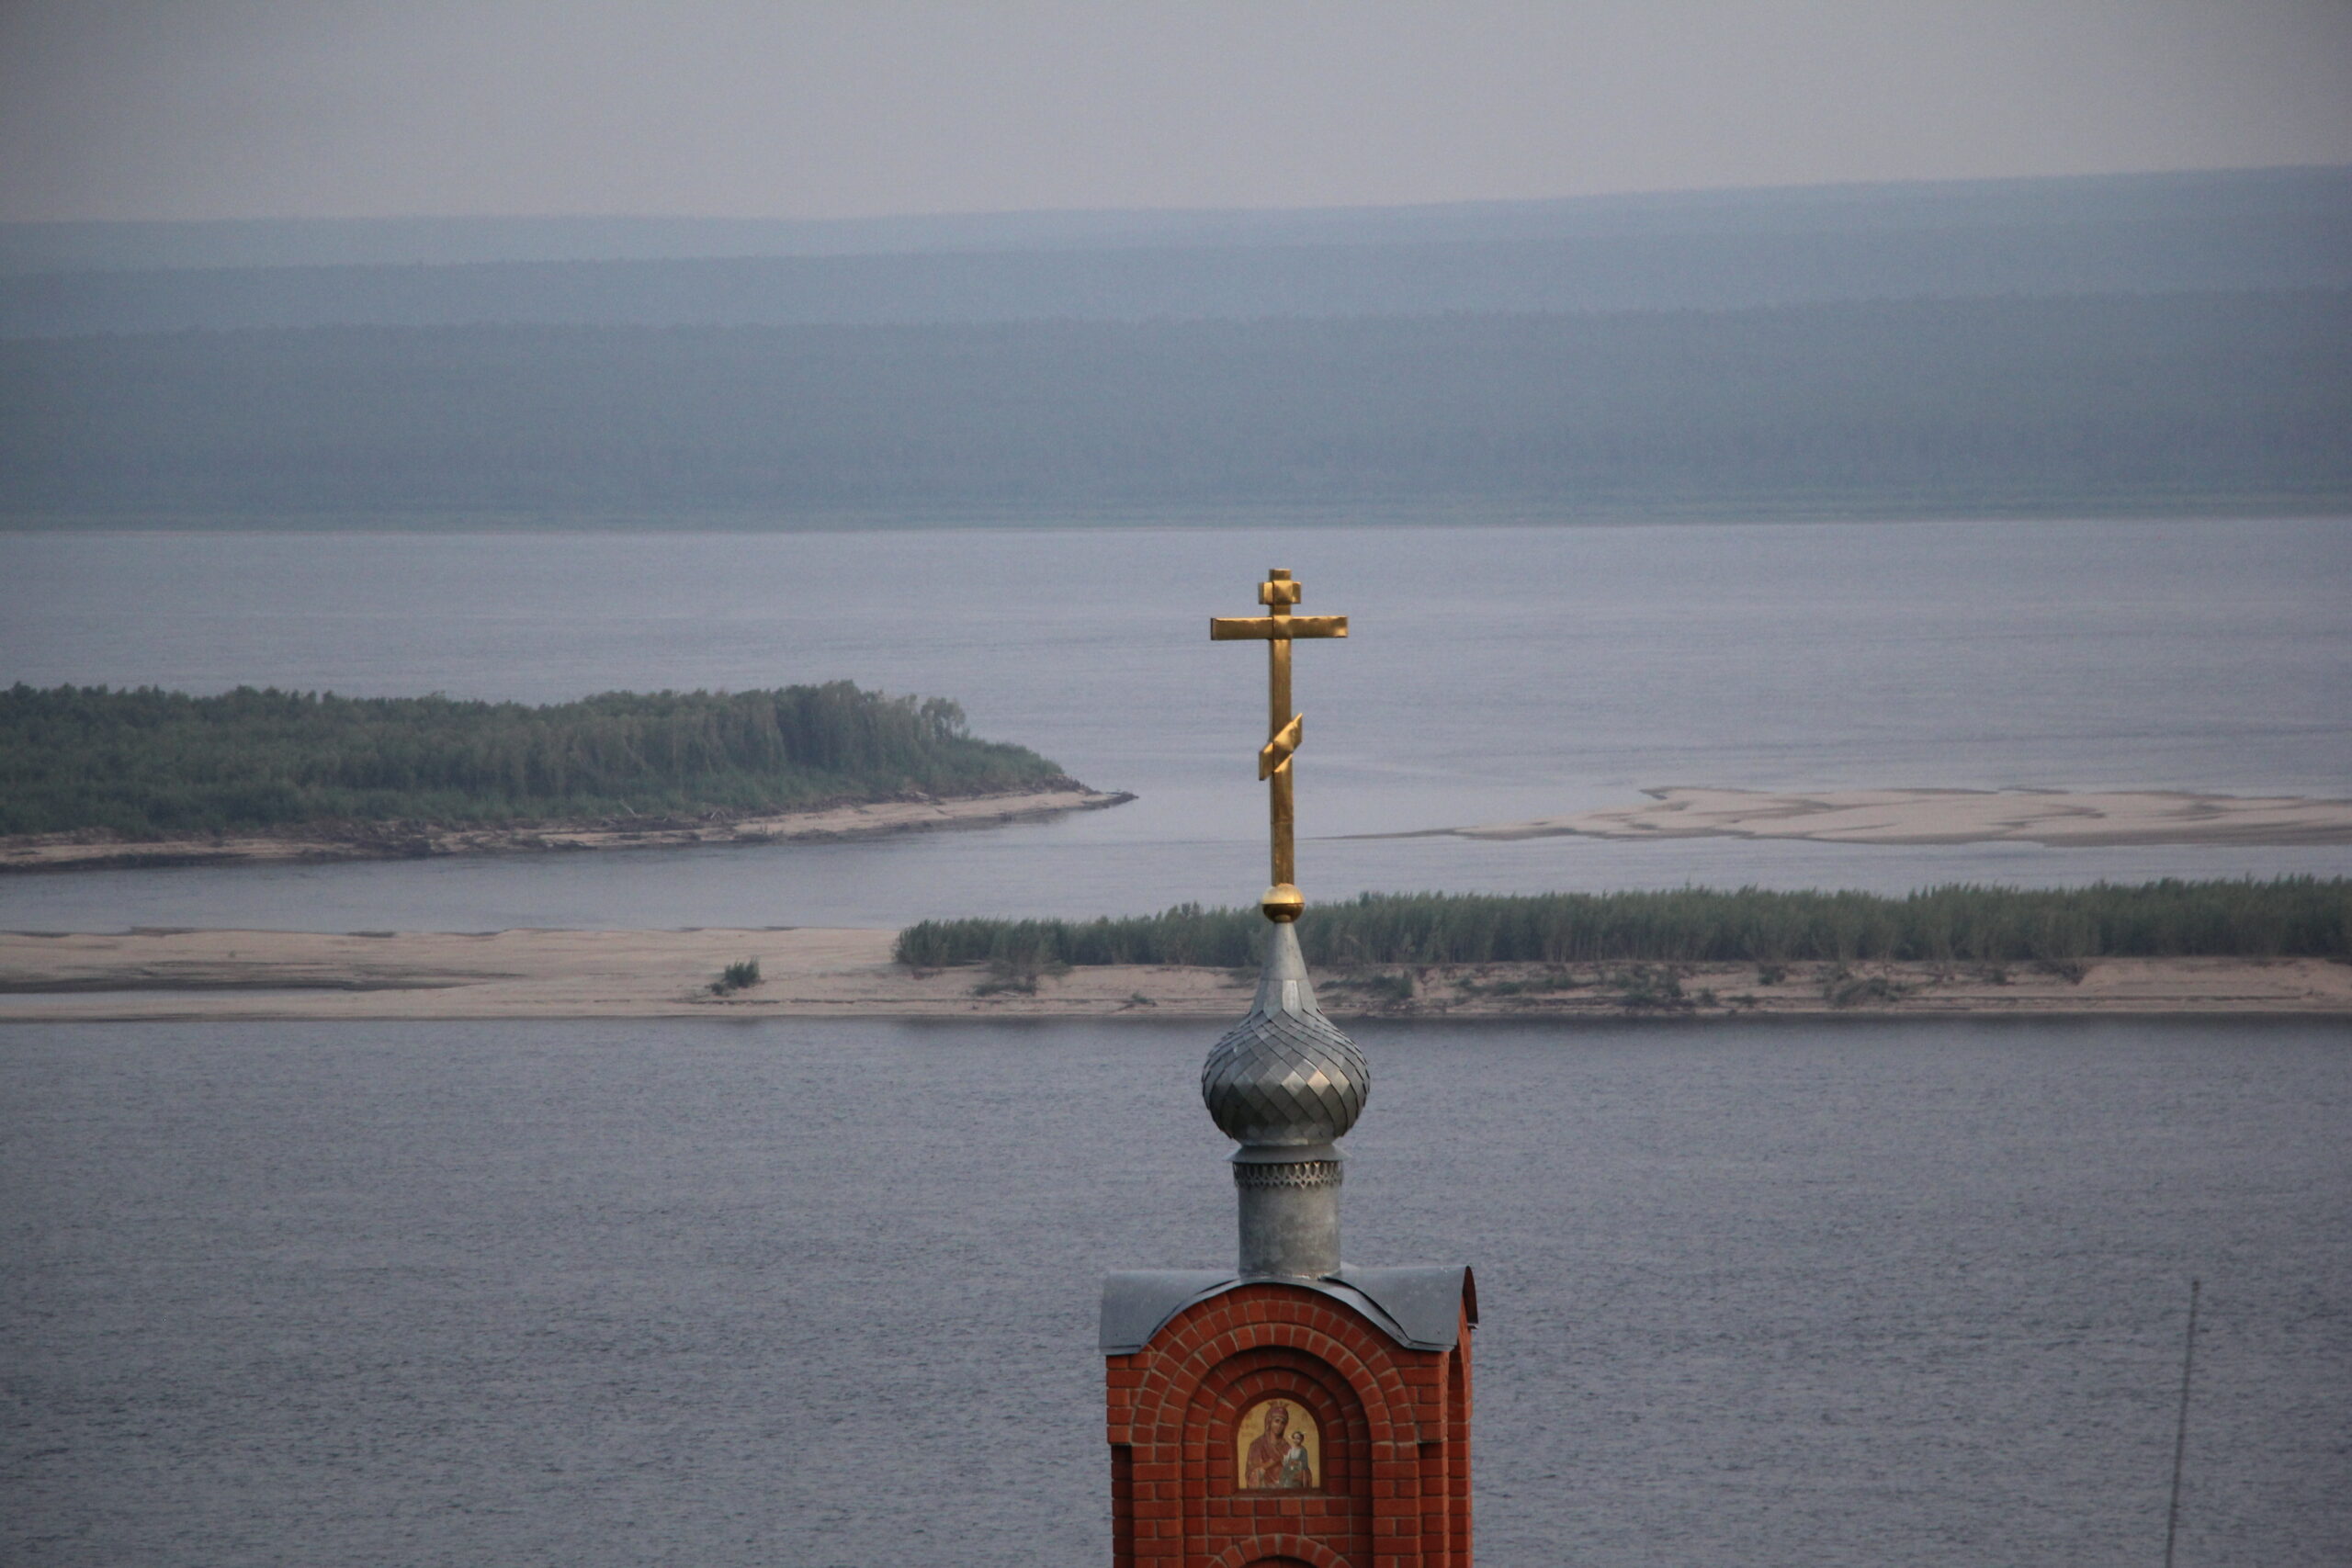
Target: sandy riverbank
(92, 851)
(848, 973)
(2053, 818)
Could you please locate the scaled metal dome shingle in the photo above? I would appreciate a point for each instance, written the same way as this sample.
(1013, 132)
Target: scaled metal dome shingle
(1285, 1074)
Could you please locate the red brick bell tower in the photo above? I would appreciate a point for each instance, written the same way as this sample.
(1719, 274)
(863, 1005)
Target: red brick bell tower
(1392, 1487)
(1291, 1412)
(1294, 1410)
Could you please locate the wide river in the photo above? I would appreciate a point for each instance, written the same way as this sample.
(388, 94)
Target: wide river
(1492, 674)
(607, 1293)
(795, 1293)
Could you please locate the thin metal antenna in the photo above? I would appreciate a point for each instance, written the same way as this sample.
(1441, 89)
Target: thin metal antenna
(2180, 1432)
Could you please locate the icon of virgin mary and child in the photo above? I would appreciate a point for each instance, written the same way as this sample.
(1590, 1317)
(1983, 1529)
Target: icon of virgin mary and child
(1277, 1458)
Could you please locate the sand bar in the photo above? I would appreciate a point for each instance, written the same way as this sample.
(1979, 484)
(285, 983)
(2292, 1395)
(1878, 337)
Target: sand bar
(2053, 818)
(93, 852)
(229, 974)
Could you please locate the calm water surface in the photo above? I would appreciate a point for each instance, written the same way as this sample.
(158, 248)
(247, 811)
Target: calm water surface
(823, 1293)
(613, 1294)
(1494, 673)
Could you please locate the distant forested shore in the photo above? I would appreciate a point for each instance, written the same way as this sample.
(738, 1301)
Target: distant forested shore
(2212, 401)
(148, 763)
(2295, 916)
(2186, 230)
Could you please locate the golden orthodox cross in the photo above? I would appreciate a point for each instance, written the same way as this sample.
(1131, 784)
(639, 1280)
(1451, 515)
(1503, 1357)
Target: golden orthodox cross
(1277, 629)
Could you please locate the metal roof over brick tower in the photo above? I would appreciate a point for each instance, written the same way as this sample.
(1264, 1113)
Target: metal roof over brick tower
(1293, 1409)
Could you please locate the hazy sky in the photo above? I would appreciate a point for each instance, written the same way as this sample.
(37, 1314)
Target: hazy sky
(215, 108)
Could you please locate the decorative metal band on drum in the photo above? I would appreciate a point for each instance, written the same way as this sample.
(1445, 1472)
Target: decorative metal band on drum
(1302, 1173)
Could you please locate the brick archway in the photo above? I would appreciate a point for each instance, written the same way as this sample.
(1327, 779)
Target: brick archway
(1242, 1381)
(1278, 1552)
(1209, 1333)
(1394, 1418)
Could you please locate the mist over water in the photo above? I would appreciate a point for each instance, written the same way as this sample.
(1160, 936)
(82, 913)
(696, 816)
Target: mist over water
(1492, 674)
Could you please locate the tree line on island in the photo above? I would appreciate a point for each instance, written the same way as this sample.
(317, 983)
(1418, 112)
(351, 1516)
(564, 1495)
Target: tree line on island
(2294, 916)
(147, 763)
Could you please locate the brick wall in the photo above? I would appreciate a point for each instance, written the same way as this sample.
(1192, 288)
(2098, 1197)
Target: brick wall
(1396, 1440)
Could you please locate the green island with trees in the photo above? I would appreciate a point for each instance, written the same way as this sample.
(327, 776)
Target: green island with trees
(148, 763)
(2292, 917)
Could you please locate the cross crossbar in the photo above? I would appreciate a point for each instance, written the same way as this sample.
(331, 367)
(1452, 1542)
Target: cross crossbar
(1271, 628)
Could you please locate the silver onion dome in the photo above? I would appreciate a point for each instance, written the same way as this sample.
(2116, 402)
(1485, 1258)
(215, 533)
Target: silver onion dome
(1285, 1075)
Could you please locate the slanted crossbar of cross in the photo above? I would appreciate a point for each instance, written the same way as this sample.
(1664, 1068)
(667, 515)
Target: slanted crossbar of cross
(1278, 629)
